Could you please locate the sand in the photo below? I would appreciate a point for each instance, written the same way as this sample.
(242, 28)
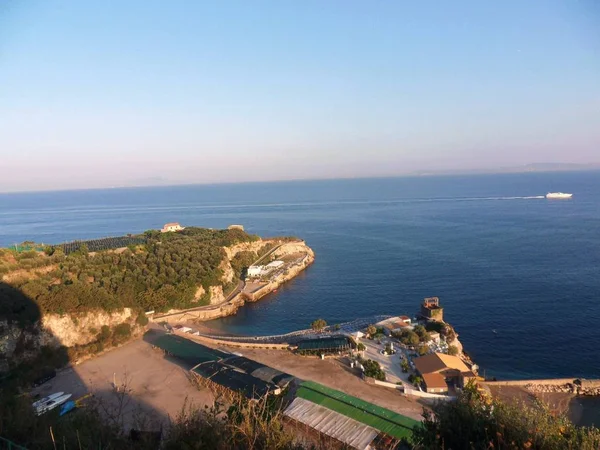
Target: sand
(157, 386)
(337, 375)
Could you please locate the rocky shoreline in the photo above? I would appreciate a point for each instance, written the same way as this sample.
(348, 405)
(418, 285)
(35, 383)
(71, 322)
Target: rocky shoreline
(577, 387)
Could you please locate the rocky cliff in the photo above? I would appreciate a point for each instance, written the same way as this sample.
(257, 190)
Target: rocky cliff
(18, 344)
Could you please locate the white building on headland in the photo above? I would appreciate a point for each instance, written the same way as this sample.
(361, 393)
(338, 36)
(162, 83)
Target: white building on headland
(173, 226)
(255, 271)
(259, 271)
(236, 227)
(275, 265)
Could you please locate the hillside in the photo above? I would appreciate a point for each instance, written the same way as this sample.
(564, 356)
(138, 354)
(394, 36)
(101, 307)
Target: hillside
(84, 302)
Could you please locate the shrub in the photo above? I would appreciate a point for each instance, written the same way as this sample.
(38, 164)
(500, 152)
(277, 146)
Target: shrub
(486, 423)
(318, 324)
(422, 350)
(373, 370)
(453, 350)
(142, 319)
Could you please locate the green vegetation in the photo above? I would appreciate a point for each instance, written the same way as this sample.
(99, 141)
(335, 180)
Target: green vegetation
(371, 331)
(165, 273)
(422, 333)
(475, 421)
(452, 350)
(445, 330)
(405, 365)
(379, 418)
(422, 349)
(241, 261)
(361, 347)
(318, 325)
(407, 337)
(373, 370)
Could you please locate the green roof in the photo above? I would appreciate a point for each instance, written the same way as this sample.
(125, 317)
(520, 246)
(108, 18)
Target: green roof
(382, 419)
(187, 350)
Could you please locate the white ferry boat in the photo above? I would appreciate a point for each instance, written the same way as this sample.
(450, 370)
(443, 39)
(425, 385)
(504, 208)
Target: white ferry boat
(558, 195)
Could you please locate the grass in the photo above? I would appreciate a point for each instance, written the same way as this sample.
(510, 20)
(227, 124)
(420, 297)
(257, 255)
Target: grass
(382, 419)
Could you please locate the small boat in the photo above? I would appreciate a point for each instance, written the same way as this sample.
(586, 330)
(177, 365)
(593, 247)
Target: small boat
(52, 404)
(45, 400)
(67, 407)
(558, 195)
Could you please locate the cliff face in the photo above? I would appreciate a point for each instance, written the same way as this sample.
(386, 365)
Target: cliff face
(82, 329)
(20, 344)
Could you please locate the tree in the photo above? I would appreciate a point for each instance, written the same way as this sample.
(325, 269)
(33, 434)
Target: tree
(371, 330)
(408, 337)
(423, 349)
(417, 381)
(318, 325)
(422, 333)
(373, 370)
(337, 327)
(453, 350)
(405, 366)
(361, 347)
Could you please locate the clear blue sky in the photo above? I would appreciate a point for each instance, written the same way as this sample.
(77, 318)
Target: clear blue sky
(104, 93)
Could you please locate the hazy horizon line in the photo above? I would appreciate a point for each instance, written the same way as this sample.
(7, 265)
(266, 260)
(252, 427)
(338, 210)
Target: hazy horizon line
(524, 169)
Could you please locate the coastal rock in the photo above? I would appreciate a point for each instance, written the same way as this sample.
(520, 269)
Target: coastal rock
(81, 329)
(255, 246)
(216, 295)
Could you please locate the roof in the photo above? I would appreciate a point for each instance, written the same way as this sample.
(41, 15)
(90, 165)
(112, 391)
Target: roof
(436, 362)
(171, 224)
(404, 318)
(382, 419)
(186, 350)
(248, 385)
(327, 343)
(434, 380)
(331, 423)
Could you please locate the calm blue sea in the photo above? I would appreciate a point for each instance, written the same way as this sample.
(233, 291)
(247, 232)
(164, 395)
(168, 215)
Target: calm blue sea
(498, 257)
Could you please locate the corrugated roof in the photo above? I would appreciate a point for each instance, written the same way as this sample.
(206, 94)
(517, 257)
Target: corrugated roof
(331, 423)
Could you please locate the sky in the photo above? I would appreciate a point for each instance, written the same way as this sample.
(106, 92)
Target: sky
(140, 92)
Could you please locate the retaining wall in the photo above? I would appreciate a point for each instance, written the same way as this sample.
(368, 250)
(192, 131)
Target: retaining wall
(207, 340)
(547, 382)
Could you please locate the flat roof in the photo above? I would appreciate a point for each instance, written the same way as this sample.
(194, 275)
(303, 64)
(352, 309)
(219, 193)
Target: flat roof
(382, 419)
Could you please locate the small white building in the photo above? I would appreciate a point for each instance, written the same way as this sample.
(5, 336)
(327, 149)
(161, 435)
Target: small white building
(275, 264)
(172, 226)
(255, 271)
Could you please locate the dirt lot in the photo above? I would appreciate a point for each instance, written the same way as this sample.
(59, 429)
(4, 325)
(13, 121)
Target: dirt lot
(334, 374)
(158, 387)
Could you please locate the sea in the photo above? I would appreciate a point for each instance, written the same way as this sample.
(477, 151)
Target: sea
(518, 275)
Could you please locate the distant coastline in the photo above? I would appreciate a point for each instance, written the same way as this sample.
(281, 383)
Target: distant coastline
(166, 183)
